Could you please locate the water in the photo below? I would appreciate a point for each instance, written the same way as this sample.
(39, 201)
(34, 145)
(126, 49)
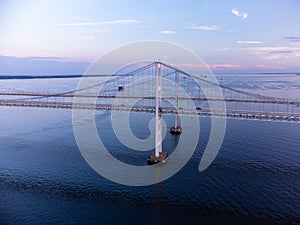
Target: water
(43, 178)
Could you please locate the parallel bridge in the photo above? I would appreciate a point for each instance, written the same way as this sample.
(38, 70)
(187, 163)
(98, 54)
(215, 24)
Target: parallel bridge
(139, 86)
(238, 114)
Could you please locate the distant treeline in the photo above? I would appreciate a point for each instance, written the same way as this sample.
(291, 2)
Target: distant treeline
(3, 77)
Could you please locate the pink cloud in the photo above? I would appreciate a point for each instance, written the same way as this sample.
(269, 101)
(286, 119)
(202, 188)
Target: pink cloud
(224, 66)
(191, 66)
(269, 66)
(209, 66)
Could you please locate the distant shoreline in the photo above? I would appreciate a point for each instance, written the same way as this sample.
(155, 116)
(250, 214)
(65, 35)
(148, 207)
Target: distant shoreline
(9, 77)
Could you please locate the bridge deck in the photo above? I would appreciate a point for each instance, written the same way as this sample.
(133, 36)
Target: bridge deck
(262, 115)
(245, 100)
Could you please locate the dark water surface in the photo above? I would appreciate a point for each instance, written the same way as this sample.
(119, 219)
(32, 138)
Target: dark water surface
(255, 179)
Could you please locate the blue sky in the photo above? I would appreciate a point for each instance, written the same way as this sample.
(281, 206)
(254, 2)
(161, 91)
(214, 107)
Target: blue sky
(64, 37)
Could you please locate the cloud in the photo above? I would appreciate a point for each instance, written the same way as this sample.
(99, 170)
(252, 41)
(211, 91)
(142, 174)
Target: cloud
(168, 32)
(191, 66)
(206, 28)
(271, 50)
(239, 14)
(40, 65)
(292, 38)
(44, 58)
(222, 48)
(223, 66)
(273, 53)
(272, 57)
(87, 37)
(281, 52)
(101, 23)
(269, 66)
(250, 42)
(80, 18)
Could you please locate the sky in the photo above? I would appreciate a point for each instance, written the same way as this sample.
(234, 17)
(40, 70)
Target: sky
(66, 36)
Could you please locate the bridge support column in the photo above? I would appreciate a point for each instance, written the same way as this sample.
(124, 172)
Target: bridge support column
(158, 117)
(176, 129)
(159, 155)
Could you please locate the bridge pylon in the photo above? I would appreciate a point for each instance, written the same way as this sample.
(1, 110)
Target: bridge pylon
(176, 129)
(158, 156)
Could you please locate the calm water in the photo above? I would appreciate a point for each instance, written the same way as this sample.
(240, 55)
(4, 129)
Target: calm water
(43, 178)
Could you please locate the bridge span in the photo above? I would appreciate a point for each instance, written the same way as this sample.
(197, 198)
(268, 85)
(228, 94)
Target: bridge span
(139, 85)
(160, 88)
(237, 114)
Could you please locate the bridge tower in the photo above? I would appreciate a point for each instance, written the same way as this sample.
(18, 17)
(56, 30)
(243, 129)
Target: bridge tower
(176, 129)
(158, 155)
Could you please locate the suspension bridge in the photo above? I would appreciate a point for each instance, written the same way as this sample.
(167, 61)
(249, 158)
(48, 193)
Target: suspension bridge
(139, 86)
(160, 88)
